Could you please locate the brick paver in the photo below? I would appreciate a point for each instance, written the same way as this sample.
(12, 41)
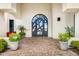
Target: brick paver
(39, 46)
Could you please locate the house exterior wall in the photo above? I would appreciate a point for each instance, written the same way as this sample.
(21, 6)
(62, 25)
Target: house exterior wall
(8, 16)
(70, 7)
(69, 19)
(77, 24)
(5, 5)
(58, 26)
(66, 19)
(25, 13)
(2, 24)
(30, 10)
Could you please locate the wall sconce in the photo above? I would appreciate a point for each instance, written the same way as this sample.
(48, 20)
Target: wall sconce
(58, 19)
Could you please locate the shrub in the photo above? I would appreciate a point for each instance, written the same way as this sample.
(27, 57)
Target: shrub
(3, 42)
(64, 37)
(22, 31)
(22, 34)
(14, 37)
(75, 44)
(1, 48)
(3, 45)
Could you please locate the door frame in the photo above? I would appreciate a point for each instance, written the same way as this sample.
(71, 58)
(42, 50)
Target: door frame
(43, 25)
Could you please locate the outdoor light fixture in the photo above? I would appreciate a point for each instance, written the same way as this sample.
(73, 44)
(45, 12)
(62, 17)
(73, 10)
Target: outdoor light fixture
(58, 19)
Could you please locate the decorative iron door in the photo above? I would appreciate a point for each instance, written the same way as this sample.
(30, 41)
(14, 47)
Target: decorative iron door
(39, 25)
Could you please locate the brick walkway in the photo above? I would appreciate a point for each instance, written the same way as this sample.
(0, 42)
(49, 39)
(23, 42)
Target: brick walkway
(39, 47)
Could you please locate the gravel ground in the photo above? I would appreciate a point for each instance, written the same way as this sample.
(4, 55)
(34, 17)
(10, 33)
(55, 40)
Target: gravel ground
(39, 46)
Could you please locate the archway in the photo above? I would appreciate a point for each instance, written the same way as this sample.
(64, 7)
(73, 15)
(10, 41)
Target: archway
(39, 25)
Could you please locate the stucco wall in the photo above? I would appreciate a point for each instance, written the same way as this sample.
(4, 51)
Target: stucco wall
(30, 10)
(58, 26)
(69, 19)
(66, 19)
(5, 5)
(70, 7)
(7, 17)
(25, 13)
(77, 24)
(2, 24)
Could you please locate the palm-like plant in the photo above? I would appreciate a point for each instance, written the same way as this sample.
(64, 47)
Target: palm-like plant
(70, 31)
(21, 28)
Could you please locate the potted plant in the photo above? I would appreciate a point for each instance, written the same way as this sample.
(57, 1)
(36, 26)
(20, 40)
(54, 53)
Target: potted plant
(14, 41)
(22, 31)
(63, 40)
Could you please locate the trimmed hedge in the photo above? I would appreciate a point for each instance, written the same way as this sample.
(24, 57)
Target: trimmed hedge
(75, 44)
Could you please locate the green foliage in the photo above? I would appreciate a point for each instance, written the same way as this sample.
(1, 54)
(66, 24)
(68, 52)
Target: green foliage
(3, 42)
(22, 34)
(21, 28)
(75, 44)
(70, 31)
(1, 48)
(14, 37)
(64, 37)
(3, 45)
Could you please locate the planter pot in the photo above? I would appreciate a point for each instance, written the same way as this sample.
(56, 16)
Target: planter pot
(64, 45)
(13, 45)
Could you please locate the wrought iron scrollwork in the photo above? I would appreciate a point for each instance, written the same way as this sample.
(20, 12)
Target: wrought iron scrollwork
(39, 25)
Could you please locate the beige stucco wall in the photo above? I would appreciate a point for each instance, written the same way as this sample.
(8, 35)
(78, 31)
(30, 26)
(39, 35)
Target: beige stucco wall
(5, 5)
(30, 10)
(2, 24)
(5, 15)
(67, 19)
(58, 26)
(18, 11)
(70, 7)
(77, 24)
(25, 12)
(9, 17)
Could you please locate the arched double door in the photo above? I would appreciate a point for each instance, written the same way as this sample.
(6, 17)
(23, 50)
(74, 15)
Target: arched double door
(39, 25)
